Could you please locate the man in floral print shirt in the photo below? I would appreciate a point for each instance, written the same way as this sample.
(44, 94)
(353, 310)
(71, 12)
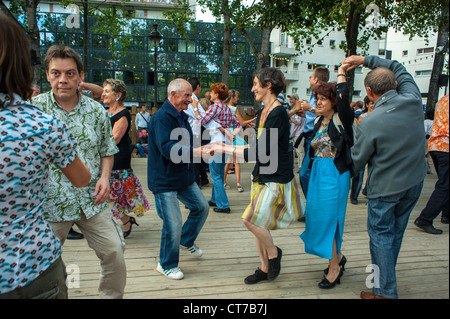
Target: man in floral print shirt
(87, 207)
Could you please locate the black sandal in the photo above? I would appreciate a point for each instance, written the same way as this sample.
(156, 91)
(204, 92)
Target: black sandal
(132, 221)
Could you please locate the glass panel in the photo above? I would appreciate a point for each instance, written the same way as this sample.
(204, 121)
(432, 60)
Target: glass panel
(181, 45)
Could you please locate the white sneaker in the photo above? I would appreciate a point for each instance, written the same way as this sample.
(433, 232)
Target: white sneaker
(194, 250)
(174, 273)
(226, 186)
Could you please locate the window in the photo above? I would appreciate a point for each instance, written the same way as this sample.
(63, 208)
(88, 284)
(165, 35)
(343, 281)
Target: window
(75, 40)
(423, 73)
(284, 40)
(100, 41)
(425, 50)
(311, 66)
(357, 93)
(138, 43)
(296, 66)
(405, 53)
(332, 44)
(186, 46)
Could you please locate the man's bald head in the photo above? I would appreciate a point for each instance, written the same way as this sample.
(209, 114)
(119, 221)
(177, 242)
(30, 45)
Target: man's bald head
(380, 80)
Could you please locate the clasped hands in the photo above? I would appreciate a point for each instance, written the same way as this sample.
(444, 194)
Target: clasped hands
(349, 63)
(208, 151)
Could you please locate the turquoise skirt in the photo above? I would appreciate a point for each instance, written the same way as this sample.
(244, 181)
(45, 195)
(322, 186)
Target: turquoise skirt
(326, 204)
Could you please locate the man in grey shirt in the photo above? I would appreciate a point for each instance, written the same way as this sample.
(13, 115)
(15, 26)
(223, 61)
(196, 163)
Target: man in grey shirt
(390, 141)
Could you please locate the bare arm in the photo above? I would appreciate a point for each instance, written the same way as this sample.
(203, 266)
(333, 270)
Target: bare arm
(96, 90)
(77, 173)
(119, 129)
(102, 188)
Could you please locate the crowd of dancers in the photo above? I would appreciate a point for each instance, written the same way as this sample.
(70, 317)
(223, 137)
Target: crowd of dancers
(66, 160)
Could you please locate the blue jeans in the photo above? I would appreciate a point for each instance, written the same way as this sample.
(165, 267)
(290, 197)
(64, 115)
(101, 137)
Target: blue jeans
(305, 171)
(386, 224)
(216, 170)
(174, 233)
(141, 150)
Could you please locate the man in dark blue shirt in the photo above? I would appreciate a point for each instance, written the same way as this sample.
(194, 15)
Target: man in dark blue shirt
(171, 178)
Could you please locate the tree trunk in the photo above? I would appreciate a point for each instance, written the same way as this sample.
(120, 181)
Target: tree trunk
(34, 38)
(263, 59)
(351, 35)
(439, 59)
(226, 43)
(85, 38)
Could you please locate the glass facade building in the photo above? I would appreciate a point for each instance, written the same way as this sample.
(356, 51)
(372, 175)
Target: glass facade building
(130, 56)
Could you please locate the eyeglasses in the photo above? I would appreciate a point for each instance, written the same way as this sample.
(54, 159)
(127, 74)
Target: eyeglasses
(323, 98)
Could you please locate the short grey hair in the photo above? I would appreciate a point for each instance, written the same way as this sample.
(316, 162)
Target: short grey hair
(176, 85)
(380, 80)
(117, 86)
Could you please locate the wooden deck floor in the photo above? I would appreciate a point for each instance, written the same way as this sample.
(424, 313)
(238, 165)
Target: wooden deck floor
(230, 255)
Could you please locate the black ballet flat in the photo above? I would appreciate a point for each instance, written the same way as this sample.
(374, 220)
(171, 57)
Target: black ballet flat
(132, 221)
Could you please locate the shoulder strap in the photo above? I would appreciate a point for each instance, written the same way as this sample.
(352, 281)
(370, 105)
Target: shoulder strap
(337, 122)
(143, 117)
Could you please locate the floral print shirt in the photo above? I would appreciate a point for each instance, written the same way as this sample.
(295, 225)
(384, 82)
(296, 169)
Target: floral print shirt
(30, 141)
(90, 125)
(439, 134)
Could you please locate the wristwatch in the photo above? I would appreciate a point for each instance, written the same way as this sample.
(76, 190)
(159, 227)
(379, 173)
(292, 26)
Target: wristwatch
(313, 110)
(196, 109)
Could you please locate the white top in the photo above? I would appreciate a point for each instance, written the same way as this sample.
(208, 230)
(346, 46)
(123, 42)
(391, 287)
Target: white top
(195, 124)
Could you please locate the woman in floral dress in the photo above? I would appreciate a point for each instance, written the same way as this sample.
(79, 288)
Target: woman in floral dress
(126, 195)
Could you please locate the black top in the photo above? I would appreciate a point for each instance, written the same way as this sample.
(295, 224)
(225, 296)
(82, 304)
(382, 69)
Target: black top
(122, 159)
(342, 141)
(274, 162)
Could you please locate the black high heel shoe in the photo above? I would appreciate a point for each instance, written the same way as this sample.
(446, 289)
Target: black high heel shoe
(326, 284)
(341, 264)
(132, 221)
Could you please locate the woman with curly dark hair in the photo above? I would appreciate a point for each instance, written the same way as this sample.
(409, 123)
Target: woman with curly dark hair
(275, 195)
(329, 184)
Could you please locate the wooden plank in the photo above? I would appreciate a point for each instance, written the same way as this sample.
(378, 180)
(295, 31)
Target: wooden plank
(230, 255)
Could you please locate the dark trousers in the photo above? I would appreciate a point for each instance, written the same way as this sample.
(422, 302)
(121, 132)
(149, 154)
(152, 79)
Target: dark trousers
(438, 201)
(357, 184)
(201, 177)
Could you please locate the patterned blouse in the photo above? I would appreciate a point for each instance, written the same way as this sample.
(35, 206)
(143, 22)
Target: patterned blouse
(90, 125)
(30, 140)
(322, 145)
(439, 135)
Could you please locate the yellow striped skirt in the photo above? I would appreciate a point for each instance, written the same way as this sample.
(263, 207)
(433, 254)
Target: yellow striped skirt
(274, 205)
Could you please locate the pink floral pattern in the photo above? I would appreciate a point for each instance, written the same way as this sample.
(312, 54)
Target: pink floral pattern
(126, 195)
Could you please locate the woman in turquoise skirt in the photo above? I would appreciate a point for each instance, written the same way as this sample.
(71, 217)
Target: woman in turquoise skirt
(329, 183)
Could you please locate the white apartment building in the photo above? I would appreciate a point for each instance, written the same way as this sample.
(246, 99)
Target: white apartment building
(148, 9)
(416, 55)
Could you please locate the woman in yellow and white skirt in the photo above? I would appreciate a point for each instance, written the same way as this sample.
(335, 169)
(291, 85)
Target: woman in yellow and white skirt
(275, 200)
